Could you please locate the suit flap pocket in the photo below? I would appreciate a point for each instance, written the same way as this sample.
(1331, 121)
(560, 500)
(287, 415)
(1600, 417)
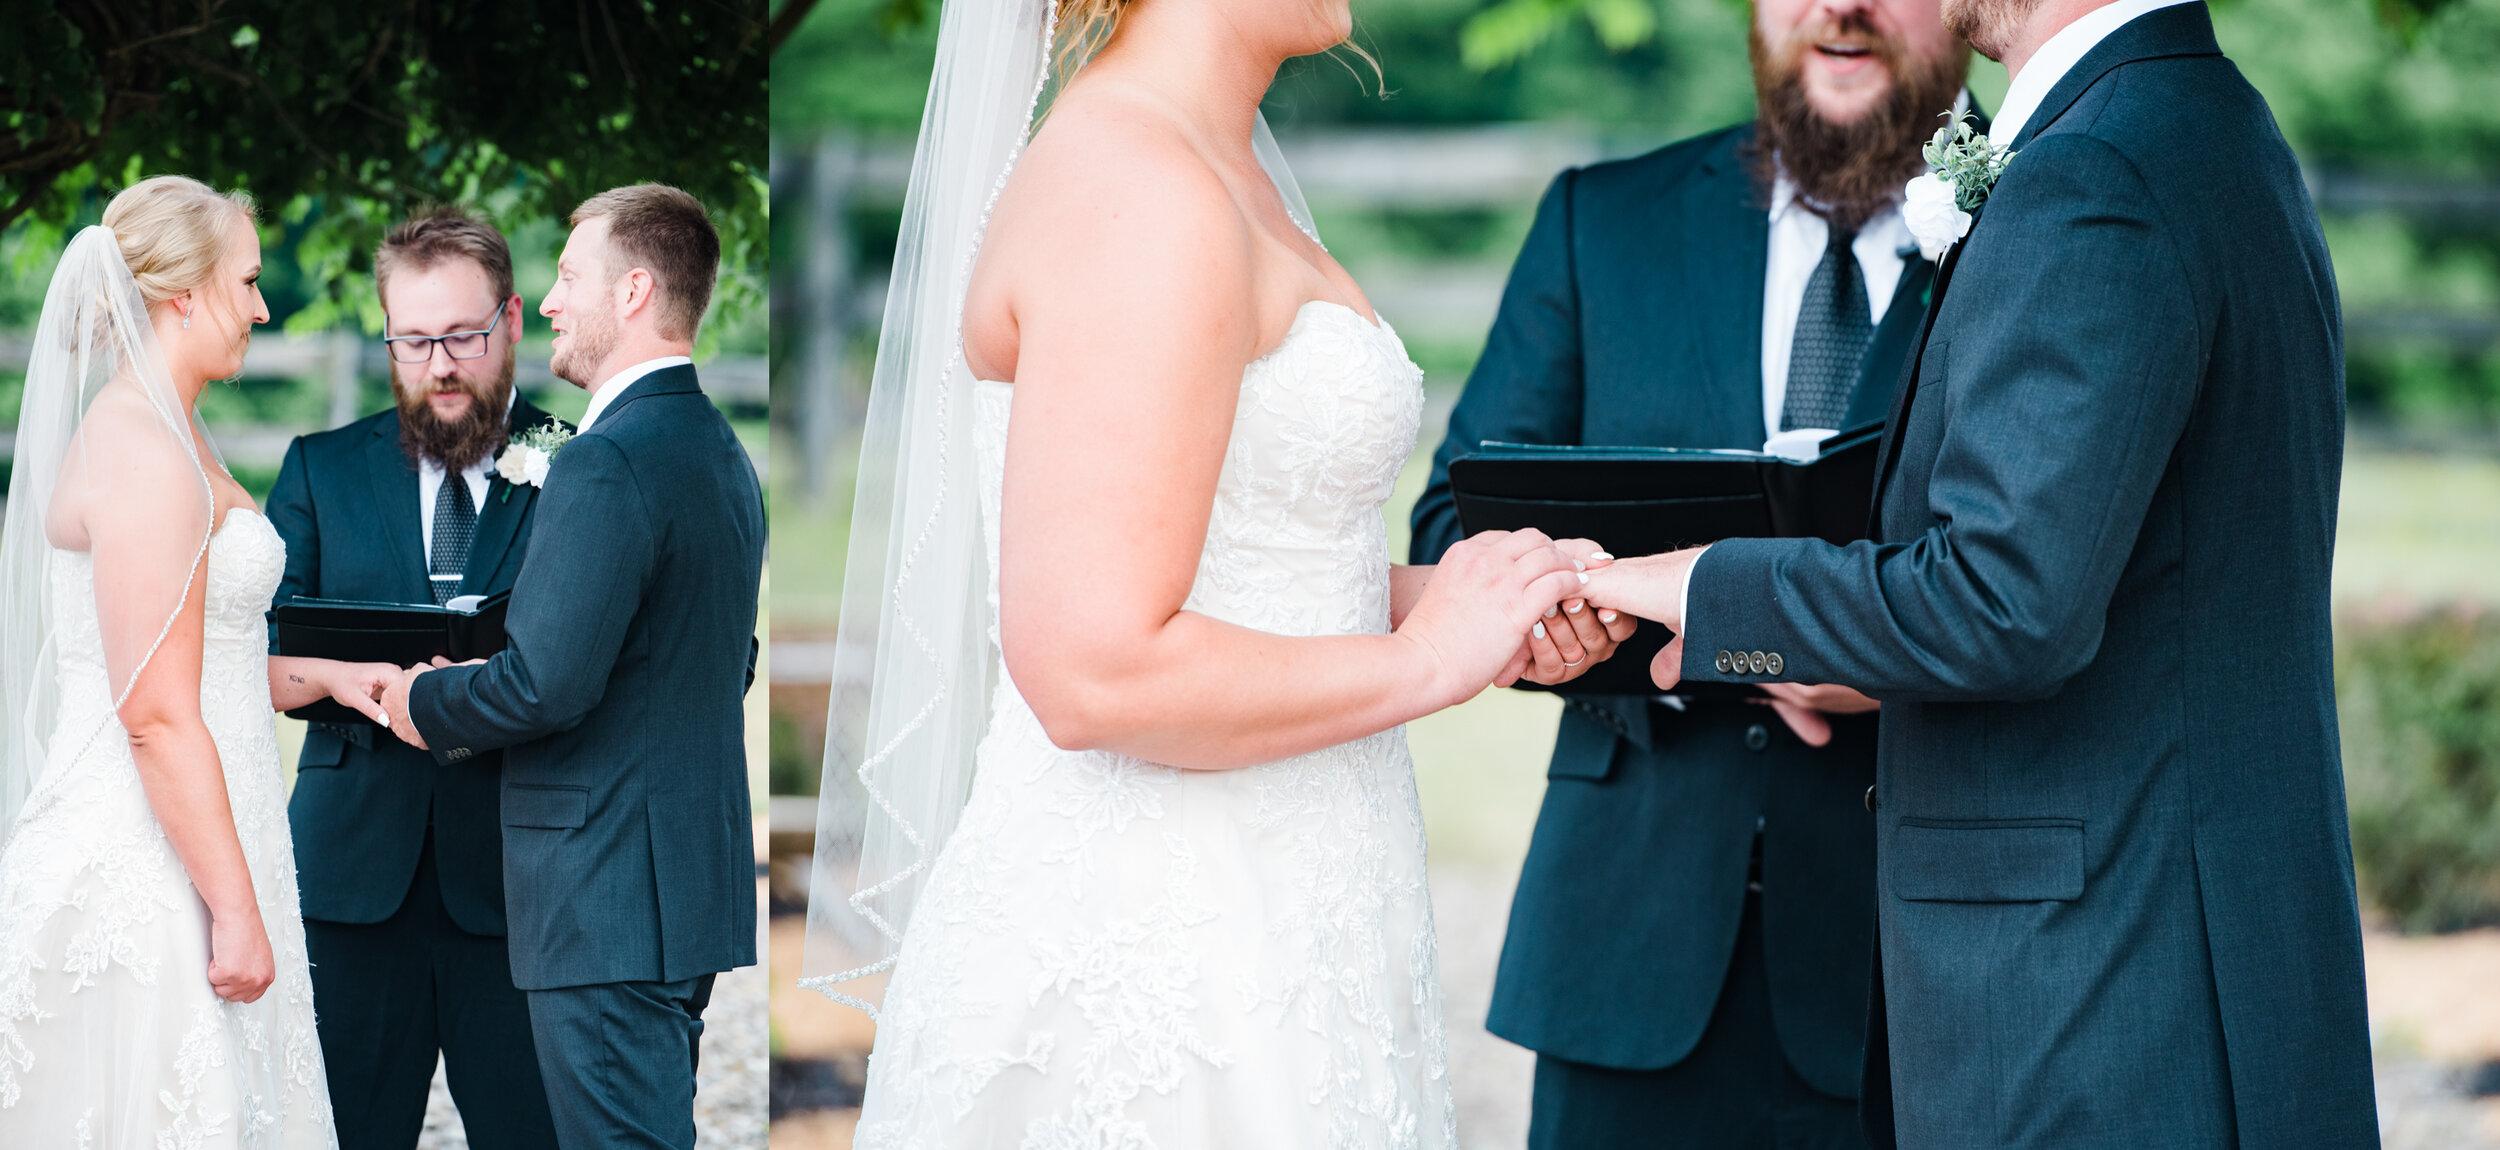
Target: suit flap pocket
(1987, 860)
(322, 748)
(555, 808)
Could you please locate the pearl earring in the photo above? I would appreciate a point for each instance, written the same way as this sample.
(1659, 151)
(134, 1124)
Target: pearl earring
(186, 321)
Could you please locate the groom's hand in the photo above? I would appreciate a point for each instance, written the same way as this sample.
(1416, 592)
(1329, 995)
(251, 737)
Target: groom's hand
(395, 705)
(1807, 707)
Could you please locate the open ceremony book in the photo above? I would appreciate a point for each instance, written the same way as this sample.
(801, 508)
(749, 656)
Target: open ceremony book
(1645, 500)
(468, 627)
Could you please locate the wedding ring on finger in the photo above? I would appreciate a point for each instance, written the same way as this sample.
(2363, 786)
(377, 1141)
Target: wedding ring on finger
(1569, 663)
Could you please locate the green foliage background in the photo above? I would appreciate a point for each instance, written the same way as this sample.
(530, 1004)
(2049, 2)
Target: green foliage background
(340, 116)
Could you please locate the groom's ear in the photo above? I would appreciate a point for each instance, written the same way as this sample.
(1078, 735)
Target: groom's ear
(637, 295)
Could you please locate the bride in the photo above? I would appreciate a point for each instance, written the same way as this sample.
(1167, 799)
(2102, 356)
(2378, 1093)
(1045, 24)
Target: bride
(153, 985)
(1182, 902)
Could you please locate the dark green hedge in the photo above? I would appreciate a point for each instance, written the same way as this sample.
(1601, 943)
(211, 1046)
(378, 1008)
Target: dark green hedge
(2420, 704)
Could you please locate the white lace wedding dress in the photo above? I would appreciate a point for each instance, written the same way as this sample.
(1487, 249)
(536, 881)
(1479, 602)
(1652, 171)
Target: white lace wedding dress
(109, 1034)
(1112, 953)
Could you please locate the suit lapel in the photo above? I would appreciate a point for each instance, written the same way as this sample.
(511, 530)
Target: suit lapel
(394, 492)
(1903, 319)
(1722, 219)
(1904, 388)
(506, 506)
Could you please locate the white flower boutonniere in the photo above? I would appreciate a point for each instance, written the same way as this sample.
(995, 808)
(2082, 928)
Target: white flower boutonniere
(1938, 206)
(526, 458)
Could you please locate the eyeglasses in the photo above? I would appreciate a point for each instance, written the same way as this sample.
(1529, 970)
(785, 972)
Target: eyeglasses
(458, 345)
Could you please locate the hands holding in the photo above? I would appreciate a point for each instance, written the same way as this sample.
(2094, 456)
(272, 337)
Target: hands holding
(1653, 586)
(395, 699)
(1501, 606)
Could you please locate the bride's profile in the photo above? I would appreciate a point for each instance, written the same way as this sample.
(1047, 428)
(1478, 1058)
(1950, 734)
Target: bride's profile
(1123, 660)
(153, 984)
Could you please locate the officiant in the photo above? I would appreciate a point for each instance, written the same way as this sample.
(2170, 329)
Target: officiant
(401, 860)
(1690, 942)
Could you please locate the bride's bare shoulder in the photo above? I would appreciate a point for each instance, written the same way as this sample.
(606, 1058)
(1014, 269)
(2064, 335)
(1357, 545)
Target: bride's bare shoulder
(1108, 179)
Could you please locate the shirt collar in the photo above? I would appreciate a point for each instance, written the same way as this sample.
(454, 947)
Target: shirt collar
(617, 384)
(2059, 56)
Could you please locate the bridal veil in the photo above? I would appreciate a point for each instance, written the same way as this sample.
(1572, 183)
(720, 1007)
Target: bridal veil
(107, 458)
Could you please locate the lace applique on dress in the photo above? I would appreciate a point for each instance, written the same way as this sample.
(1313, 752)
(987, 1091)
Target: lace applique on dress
(1115, 953)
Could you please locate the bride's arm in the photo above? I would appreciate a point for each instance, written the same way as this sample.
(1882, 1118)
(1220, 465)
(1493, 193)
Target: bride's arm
(140, 544)
(297, 682)
(1135, 309)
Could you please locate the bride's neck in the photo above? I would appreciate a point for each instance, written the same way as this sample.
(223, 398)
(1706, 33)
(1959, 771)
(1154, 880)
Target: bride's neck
(1197, 61)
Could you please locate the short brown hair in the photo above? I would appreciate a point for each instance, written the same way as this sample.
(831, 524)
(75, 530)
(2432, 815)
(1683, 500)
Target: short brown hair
(667, 232)
(444, 233)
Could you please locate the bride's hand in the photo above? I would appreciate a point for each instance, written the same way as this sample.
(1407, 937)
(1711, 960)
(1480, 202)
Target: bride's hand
(1576, 634)
(240, 965)
(359, 686)
(1486, 592)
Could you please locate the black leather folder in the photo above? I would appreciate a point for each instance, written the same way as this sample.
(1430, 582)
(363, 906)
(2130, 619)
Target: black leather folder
(1645, 500)
(401, 633)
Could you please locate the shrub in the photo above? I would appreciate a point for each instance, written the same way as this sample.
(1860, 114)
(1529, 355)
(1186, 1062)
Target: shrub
(2420, 706)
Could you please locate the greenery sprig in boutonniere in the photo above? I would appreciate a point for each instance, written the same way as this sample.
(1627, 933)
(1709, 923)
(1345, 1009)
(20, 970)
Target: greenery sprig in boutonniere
(526, 458)
(1938, 206)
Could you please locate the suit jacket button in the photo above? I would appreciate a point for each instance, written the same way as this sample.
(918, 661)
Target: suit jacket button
(1726, 663)
(1757, 737)
(1870, 800)
(456, 754)
(1773, 663)
(1758, 661)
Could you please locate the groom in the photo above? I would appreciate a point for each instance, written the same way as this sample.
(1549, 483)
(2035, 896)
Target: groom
(628, 853)
(2114, 881)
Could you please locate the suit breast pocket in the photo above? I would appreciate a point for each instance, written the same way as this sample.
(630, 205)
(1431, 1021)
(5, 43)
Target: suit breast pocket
(1986, 860)
(545, 807)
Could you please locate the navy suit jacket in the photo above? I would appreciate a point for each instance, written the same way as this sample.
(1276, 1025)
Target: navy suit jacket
(2114, 877)
(1634, 316)
(628, 839)
(346, 505)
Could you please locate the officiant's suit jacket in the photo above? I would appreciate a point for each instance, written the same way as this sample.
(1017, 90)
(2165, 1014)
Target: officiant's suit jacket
(2114, 877)
(628, 840)
(1634, 317)
(346, 504)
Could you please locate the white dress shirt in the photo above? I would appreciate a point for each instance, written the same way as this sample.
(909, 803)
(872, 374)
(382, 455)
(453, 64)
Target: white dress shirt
(1798, 237)
(616, 385)
(2059, 56)
(430, 486)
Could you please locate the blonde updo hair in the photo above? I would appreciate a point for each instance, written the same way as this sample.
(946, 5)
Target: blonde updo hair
(172, 231)
(1084, 27)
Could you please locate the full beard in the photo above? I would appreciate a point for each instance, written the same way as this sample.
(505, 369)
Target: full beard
(459, 443)
(1848, 172)
(586, 346)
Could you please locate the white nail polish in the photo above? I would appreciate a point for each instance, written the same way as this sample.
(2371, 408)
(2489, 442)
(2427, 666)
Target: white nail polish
(1601, 555)
(1575, 608)
(1576, 565)
(1584, 578)
(1538, 630)
(1606, 616)
(1549, 612)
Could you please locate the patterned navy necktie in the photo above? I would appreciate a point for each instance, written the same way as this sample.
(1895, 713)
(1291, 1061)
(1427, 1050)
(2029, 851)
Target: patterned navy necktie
(1833, 329)
(455, 524)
